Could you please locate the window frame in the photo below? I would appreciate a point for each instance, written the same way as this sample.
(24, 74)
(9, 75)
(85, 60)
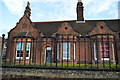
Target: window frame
(74, 50)
(100, 47)
(95, 51)
(58, 47)
(20, 47)
(28, 50)
(66, 48)
(104, 49)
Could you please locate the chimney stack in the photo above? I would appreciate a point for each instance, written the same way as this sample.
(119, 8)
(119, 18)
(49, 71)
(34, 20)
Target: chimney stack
(79, 11)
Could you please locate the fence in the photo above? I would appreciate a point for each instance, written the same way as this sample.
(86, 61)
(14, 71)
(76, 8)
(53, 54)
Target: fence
(96, 52)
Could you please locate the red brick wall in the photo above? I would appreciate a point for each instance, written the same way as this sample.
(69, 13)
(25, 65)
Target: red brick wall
(83, 48)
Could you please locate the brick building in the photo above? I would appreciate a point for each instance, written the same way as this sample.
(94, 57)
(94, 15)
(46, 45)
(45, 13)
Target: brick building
(72, 41)
(3, 47)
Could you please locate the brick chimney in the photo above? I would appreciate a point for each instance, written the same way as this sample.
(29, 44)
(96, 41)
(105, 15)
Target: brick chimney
(79, 11)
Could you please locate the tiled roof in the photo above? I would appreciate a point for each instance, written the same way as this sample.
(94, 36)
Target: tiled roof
(50, 27)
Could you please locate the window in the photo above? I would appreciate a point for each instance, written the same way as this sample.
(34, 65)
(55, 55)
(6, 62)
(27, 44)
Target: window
(95, 51)
(19, 50)
(58, 50)
(74, 50)
(28, 51)
(105, 51)
(66, 50)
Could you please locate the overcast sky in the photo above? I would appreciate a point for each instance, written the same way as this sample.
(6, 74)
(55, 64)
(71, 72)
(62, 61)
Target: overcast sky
(51, 10)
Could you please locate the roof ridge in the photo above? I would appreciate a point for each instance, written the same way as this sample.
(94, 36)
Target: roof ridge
(74, 20)
(53, 21)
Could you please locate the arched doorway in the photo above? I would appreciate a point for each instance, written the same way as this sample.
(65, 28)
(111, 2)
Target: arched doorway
(48, 54)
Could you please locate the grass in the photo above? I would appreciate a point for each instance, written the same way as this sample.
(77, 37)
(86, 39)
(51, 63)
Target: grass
(59, 65)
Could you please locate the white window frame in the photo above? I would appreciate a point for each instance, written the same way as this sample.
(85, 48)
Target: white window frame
(28, 50)
(66, 50)
(74, 51)
(20, 48)
(58, 46)
(95, 51)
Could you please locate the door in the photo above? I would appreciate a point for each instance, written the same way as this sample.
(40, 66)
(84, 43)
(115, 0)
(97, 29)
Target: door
(48, 55)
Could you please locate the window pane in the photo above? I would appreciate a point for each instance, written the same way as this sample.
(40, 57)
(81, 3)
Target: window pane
(105, 50)
(58, 51)
(19, 50)
(27, 55)
(95, 51)
(18, 55)
(66, 50)
(49, 48)
(27, 50)
(28, 46)
(20, 46)
(74, 50)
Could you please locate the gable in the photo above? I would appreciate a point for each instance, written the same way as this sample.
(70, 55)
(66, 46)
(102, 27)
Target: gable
(101, 28)
(66, 28)
(24, 25)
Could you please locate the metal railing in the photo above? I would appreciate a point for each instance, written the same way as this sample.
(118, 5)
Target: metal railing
(96, 52)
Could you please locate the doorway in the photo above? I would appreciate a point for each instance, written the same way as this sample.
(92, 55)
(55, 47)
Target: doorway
(48, 54)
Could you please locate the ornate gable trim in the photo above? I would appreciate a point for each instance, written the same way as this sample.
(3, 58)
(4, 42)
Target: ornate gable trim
(66, 28)
(101, 28)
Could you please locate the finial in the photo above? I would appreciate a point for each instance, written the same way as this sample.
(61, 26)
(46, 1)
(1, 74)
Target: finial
(79, 1)
(28, 4)
(27, 10)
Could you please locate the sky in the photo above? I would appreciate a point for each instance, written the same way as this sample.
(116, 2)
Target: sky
(54, 10)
